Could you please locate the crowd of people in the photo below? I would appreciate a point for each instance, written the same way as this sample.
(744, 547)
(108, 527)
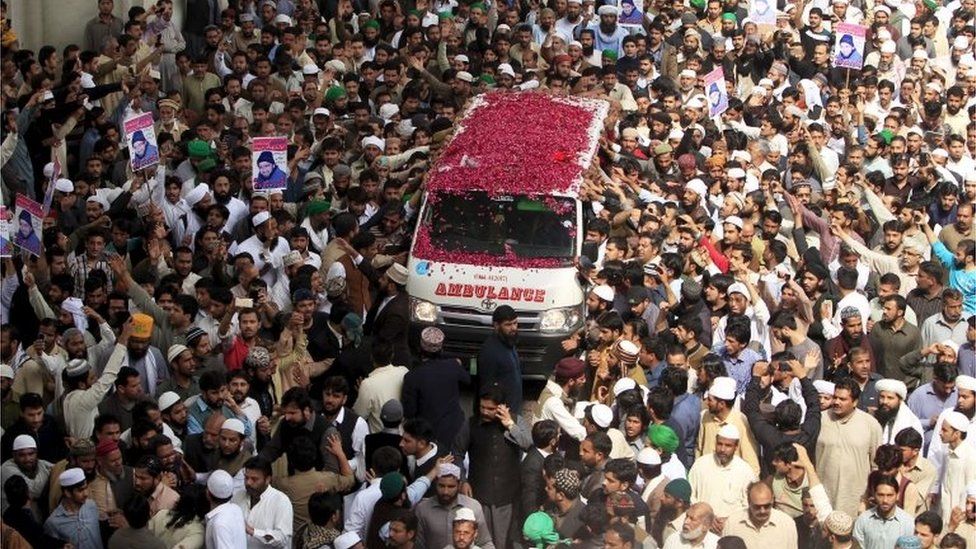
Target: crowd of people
(777, 348)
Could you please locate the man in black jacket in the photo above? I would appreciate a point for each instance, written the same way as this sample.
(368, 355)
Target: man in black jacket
(432, 390)
(545, 437)
(498, 361)
(493, 441)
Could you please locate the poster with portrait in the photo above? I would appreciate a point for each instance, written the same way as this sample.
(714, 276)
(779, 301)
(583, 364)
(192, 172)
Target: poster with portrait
(763, 12)
(269, 163)
(715, 91)
(849, 45)
(6, 247)
(27, 225)
(141, 138)
(631, 13)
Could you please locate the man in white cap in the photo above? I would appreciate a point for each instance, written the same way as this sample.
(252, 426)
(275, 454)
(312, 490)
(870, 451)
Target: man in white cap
(348, 540)
(183, 368)
(464, 530)
(435, 514)
(959, 468)
(266, 247)
(608, 34)
(84, 392)
(226, 528)
(721, 411)
(268, 512)
(233, 453)
(892, 413)
(721, 478)
(75, 519)
(9, 408)
(965, 405)
(26, 464)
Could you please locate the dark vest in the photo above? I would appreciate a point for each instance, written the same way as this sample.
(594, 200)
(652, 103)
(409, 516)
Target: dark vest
(359, 297)
(494, 472)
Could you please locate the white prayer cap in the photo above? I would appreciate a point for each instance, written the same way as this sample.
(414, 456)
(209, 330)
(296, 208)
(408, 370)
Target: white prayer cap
(260, 218)
(293, 257)
(24, 442)
(577, 2)
(464, 76)
(888, 46)
(87, 81)
(76, 367)
(960, 43)
(196, 194)
(824, 387)
(48, 96)
(310, 69)
(233, 424)
(71, 477)
(882, 7)
(49, 170)
(966, 383)
(220, 484)
(956, 420)
(723, 388)
(920, 54)
(602, 415)
(607, 9)
(347, 540)
(971, 489)
(698, 186)
(449, 470)
(175, 351)
(282, 18)
(462, 58)
(167, 400)
(737, 173)
(321, 111)
(604, 292)
(154, 74)
(623, 384)
(374, 141)
(688, 73)
(505, 68)
(648, 456)
(729, 431)
(6, 371)
(941, 152)
(733, 220)
(892, 386)
(64, 185)
(883, 34)
(100, 200)
(464, 514)
(695, 103)
(388, 111)
(675, 134)
(737, 288)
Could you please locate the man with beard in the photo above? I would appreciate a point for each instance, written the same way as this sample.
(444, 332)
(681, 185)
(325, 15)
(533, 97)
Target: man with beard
(721, 478)
(267, 511)
(948, 325)
(26, 464)
(848, 439)
(696, 529)
(568, 23)
(952, 235)
(560, 394)
(298, 419)
(352, 429)
(498, 361)
(9, 408)
(214, 398)
(83, 392)
(892, 338)
(389, 318)
(880, 526)
(232, 453)
(961, 264)
(237, 210)
(173, 412)
(183, 366)
(892, 414)
(147, 482)
(608, 35)
(851, 337)
(435, 513)
(113, 483)
(938, 452)
(146, 359)
(266, 247)
(720, 411)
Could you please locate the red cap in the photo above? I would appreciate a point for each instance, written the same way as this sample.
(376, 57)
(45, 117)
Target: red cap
(569, 368)
(106, 447)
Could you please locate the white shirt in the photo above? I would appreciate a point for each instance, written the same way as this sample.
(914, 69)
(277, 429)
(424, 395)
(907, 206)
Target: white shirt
(555, 409)
(319, 239)
(903, 420)
(958, 471)
(722, 487)
(833, 328)
(359, 432)
(262, 255)
(271, 518)
(674, 469)
(383, 384)
(225, 527)
(938, 449)
(675, 541)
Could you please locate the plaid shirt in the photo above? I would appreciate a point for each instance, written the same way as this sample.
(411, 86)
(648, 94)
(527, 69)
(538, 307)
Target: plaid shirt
(80, 269)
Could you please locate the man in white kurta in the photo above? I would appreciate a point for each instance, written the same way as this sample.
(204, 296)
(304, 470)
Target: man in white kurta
(268, 513)
(720, 479)
(959, 467)
(892, 412)
(225, 521)
(845, 448)
(966, 389)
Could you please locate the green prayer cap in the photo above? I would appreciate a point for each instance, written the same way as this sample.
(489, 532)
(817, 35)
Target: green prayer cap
(445, 15)
(540, 529)
(207, 165)
(730, 16)
(391, 485)
(317, 207)
(198, 148)
(931, 4)
(478, 5)
(663, 437)
(335, 93)
(372, 24)
(679, 489)
(886, 136)
(488, 79)
(610, 54)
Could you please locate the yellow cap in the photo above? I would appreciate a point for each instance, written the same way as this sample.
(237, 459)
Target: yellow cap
(142, 326)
